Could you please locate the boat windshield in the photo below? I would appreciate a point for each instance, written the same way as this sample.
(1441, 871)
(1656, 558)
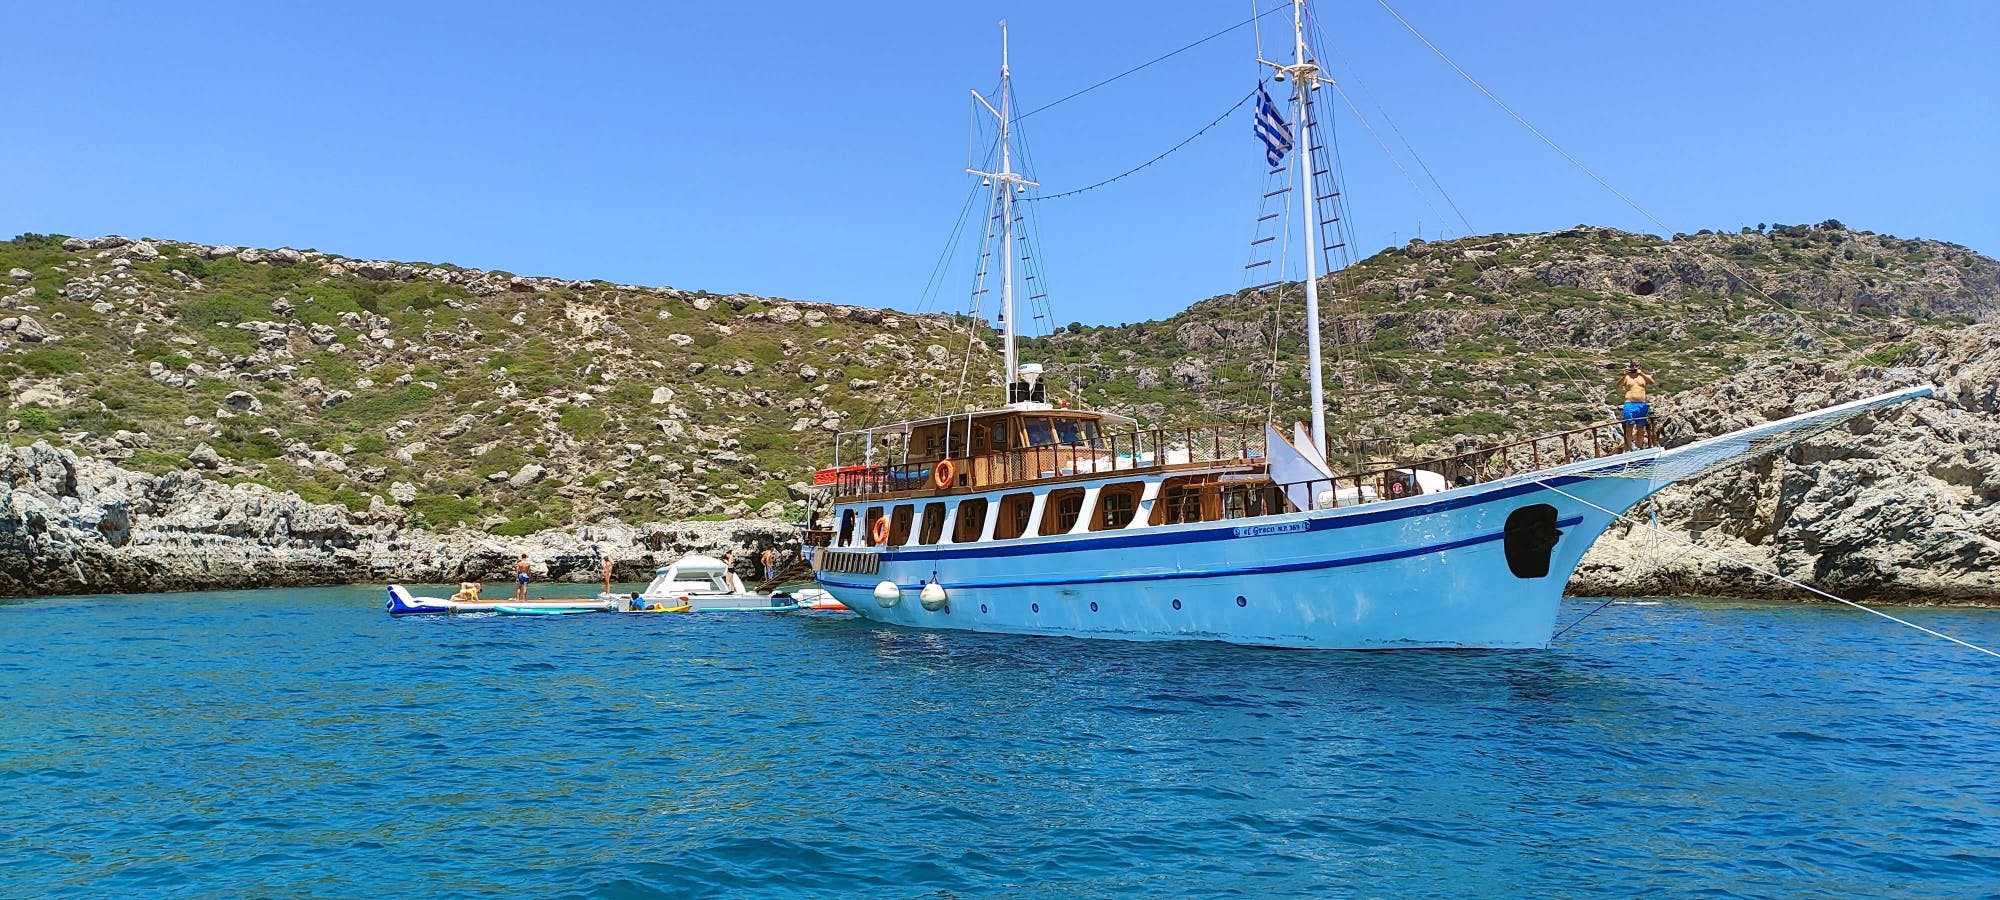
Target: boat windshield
(1039, 432)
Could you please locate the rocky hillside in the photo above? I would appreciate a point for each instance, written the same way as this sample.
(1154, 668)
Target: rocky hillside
(402, 399)
(1903, 505)
(1497, 335)
(486, 399)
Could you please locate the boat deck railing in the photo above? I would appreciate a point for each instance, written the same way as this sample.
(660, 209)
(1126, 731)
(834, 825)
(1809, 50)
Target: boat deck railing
(1138, 451)
(1493, 463)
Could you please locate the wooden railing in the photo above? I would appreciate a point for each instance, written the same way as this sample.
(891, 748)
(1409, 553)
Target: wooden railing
(1144, 450)
(1474, 467)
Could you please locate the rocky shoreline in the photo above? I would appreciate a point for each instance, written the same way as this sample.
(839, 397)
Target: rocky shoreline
(78, 525)
(1900, 506)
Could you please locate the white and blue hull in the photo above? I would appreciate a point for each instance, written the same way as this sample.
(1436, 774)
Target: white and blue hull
(1423, 572)
(1428, 571)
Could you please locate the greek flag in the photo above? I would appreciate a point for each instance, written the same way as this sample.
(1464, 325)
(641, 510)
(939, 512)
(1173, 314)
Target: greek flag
(1272, 128)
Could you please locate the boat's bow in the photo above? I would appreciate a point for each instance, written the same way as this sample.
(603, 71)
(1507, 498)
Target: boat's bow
(1701, 457)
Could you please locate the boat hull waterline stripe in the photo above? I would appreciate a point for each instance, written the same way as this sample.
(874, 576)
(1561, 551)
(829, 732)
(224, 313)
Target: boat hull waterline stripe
(1098, 540)
(1309, 565)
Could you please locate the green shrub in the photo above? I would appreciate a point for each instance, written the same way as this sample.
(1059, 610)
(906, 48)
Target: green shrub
(240, 442)
(33, 419)
(583, 421)
(33, 241)
(202, 312)
(1887, 356)
(52, 361)
(154, 461)
(520, 527)
(435, 512)
(382, 407)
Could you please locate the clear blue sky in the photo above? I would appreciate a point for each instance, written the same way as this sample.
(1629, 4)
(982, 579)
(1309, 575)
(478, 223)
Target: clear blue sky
(815, 150)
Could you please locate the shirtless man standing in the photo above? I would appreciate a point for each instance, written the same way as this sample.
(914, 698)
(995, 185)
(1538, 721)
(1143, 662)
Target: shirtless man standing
(1637, 414)
(521, 570)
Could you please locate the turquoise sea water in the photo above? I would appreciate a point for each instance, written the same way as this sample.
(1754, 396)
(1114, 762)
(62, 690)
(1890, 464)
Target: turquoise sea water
(301, 743)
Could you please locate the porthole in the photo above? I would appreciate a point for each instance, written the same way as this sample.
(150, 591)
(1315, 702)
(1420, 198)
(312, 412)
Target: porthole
(982, 608)
(1240, 601)
(1177, 604)
(1034, 607)
(1093, 606)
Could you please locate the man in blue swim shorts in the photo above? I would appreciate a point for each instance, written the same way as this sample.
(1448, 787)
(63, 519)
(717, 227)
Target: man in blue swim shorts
(1637, 414)
(521, 569)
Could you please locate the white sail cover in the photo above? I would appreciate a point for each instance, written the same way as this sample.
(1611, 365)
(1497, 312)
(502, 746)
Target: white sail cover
(1295, 468)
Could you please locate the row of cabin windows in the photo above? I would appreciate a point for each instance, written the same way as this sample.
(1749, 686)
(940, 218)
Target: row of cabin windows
(1041, 431)
(1116, 506)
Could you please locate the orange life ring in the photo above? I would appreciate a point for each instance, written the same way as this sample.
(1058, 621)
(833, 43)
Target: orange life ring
(945, 474)
(880, 530)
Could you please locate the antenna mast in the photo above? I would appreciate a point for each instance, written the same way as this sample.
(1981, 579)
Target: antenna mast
(1008, 183)
(1305, 76)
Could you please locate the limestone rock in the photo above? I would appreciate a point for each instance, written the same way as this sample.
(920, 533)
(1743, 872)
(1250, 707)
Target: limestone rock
(1902, 505)
(205, 457)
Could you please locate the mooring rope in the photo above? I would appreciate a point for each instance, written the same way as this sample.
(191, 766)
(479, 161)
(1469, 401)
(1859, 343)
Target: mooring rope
(1766, 573)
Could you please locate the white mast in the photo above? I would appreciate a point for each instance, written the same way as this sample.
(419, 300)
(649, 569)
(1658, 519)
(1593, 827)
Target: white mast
(1008, 183)
(1006, 219)
(1305, 75)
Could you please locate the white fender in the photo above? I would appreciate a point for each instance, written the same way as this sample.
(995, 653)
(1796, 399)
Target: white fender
(888, 594)
(933, 597)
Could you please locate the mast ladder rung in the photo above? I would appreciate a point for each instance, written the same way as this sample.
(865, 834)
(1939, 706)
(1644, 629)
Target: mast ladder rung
(1266, 285)
(1263, 240)
(1037, 297)
(1319, 173)
(1335, 247)
(978, 292)
(1269, 217)
(1256, 264)
(1275, 193)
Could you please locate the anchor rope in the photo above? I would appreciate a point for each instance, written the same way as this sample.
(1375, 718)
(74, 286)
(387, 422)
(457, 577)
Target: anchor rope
(1579, 620)
(1766, 573)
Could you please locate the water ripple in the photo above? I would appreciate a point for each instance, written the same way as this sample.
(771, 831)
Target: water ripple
(300, 743)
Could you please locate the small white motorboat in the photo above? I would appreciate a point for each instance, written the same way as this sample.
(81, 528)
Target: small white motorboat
(705, 584)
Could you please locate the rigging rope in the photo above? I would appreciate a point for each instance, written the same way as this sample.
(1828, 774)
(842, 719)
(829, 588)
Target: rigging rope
(1372, 133)
(1768, 573)
(1154, 61)
(1136, 169)
(1621, 195)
